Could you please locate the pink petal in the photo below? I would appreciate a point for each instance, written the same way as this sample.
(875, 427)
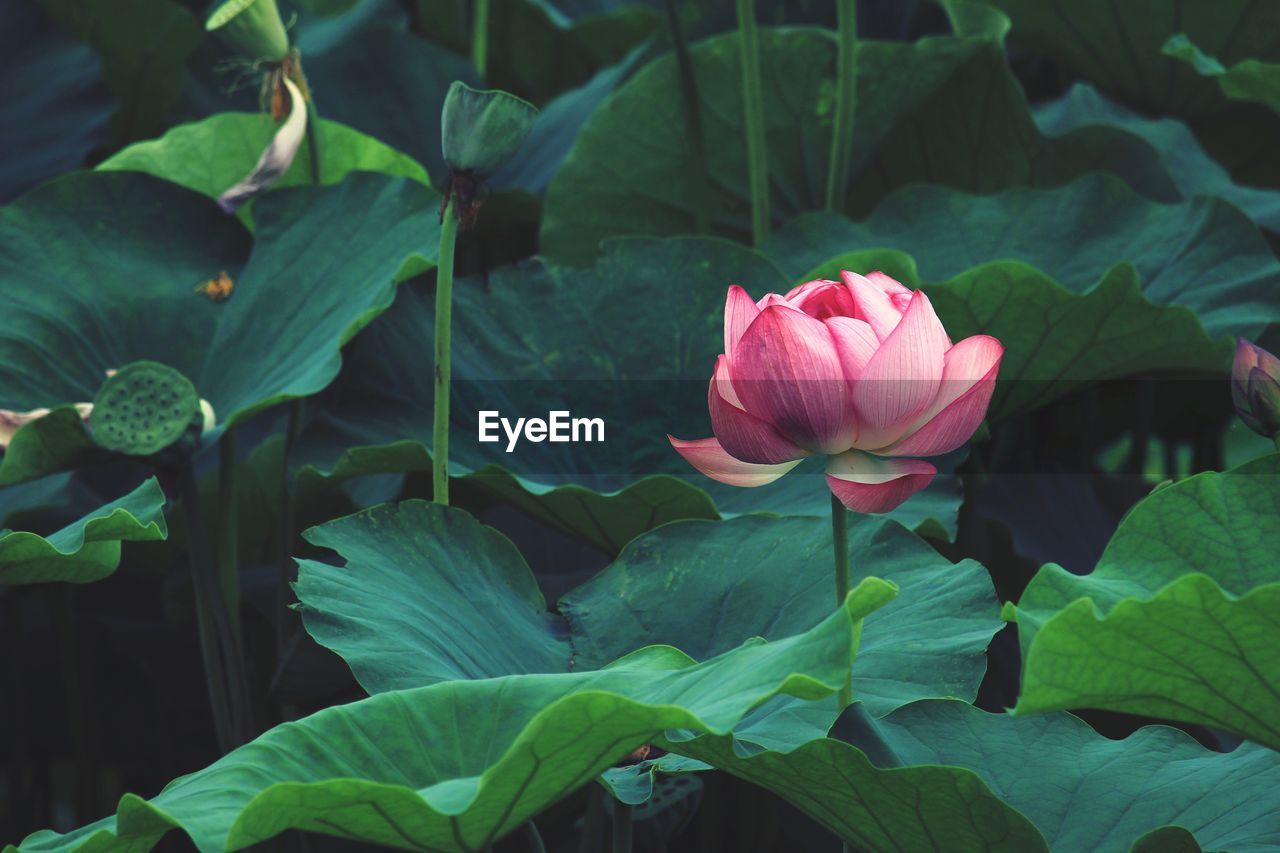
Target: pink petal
(898, 293)
(744, 436)
(710, 458)
(822, 299)
(739, 311)
(902, 378)
(872, 304)
(786, 371)
(722, 382)
(1249, 356)
(867, 483)
(855, 343)
(968, 379)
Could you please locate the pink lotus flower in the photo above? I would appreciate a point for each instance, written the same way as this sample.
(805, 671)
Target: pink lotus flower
(860, 371)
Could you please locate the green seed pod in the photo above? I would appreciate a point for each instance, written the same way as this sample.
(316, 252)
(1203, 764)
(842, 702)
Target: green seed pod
(482, 130)
(252, 28)
(143, 408)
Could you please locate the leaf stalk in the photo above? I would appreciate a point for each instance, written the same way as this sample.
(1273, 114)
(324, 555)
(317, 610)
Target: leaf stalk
(443, 339)
(753, 121)
(846, 104)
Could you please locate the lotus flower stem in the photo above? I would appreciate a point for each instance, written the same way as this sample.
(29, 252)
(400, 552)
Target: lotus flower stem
(696, 168)
(592, 822)
(77, 705)
(753, 121)
(219, 646)
(313, 146)
(846, 102)
(480, 35)
(229, 524)
(534, 837)
(444, 320)
(840, 545)
(284, 566)
(621, 827)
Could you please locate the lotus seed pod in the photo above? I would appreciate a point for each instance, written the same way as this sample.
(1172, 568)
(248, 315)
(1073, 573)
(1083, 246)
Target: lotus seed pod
(143, 408)
(253, 28)
(480, 131)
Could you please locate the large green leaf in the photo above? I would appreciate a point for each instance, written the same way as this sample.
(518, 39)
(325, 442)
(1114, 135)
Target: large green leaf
(928, 766)
(941, 110)
(1247, 80)
(1181, 155)
(930, 641)
(1089, 792)
(143, 45)
(427, 594)
(210, 155)
(1178, 618)
(900, 808)
(631, 340)
(1117, 46)
(55, 107)
(102, 269)
(459, 764)
(1202, 254)
(1057, 341)
(88, 549)
(934, 762)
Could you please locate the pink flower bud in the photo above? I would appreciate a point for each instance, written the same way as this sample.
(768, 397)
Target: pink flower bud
(858, 370)
(1255, 388)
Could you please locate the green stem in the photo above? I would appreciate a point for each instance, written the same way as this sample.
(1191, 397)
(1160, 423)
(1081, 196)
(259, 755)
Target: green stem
(313, 146)
(840, 545)
(77, 706)
(846, 105)
(534, 837)
(444, 322)
(229, 523)
(753, 121)
(621, 827)
(284, 565)
(592, 821)
(480, 35)
(696, 167)
(1276, 438)
(222, 655)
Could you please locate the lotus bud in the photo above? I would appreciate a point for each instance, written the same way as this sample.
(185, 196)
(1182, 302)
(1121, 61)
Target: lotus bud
(253, 28)
(479, 132)
(1255, 388)
(860, 371)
